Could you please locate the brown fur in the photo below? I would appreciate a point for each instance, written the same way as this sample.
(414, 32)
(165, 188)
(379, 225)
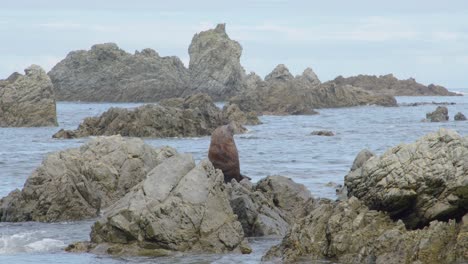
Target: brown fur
(223, 153)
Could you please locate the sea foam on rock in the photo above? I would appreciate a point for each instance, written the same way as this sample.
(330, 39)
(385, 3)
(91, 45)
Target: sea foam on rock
(27, 100)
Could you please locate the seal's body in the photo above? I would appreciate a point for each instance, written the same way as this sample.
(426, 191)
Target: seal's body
(223, 153)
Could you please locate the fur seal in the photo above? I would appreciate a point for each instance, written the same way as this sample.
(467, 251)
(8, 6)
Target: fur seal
(223, 153)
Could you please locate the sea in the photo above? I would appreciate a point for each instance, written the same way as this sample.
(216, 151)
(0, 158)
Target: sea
(281, 145)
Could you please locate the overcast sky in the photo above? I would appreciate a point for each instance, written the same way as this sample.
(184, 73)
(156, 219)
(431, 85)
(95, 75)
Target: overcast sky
(426, 39)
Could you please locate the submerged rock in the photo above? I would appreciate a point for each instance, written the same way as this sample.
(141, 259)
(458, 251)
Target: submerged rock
(419, 182)
(108, 73)
(27, 100)
(326, 133)
(389, 85)
(215, 67)
(179, 207)
(459, 117)
(349, 232)
(196, 115)
(77, 183)
(439, 115)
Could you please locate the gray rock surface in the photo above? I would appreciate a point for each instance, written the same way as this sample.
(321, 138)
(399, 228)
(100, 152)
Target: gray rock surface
(215, 66)
(418, 182)
(363, 156)
(27, 100)
(439, 115)
(326, 133)
(349, 232)
(77, 183)
(282, 93)
(389, 85)
(459, 117)
(179, 207)
(195, 115)
(270, 206)
(108, 73)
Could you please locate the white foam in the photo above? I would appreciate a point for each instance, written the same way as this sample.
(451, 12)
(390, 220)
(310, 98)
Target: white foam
(28, 242)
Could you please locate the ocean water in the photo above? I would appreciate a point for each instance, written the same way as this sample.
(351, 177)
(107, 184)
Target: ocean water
(282, 145)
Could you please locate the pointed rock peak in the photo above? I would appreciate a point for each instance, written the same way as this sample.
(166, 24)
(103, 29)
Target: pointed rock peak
(221, 28)
(147, 53)
(310, 76)
(34, 70)
(281, 72)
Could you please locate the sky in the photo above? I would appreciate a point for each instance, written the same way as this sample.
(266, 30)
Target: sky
(427, 40)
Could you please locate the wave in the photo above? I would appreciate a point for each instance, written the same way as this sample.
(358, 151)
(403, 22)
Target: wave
(460, 92)
(28, 242)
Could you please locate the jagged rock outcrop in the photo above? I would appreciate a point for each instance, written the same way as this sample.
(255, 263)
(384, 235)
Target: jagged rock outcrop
(459, 117)
(325, 133)
(214, 66)
(439, 115)
(233, 113)
(108, 73)
(27, 100)
(270, 206)
(77, 183)
(195, 115)
(363, 156)
(349, 232)
(179, 207)
(419, 182)
(282, 93)
(389, 85)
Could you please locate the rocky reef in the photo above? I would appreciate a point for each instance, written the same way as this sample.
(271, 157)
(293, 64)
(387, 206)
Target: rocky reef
(195, 115)
(390, 85)
(439, 115)
(108, 73)
(77, 183)
(282, 93)
(27, 100)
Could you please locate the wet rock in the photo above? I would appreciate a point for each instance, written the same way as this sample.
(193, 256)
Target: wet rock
(439, 115)
(349, 232)
(195, 115)
(77, 183)
(326, 133)
(270, 206)
(27, 100)
(389, 85)
(460, 117)
(281, 93)
(108, 73)
(215, 67)
(178, 207)
(418, 182)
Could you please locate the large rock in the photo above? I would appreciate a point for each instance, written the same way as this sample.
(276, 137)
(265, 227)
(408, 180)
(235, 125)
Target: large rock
(348, 232)
(419, 182)
(270, 206)
(215, 66)
(389, 85)
(439, 115)
(459, 117)
(282, 93)
(27, 100)
(77, 183)
(108, 73)
(196, 115)
(178, 207)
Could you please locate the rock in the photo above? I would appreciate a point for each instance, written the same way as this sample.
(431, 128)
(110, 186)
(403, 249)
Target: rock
(348, 232)
(178, 207)
(195, 115)
(77, 183)
(233, 113)
(419, 182)
(326, 133)
(389, 85)
(460, 117)
(270, 206)
(439, 115)
(427, 103)
(363, 156)
(27, 100)
(108, 73)
(215, 67)
(281, 93)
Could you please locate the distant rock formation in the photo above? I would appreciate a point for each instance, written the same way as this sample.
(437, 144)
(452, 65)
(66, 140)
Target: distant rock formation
(326, 133)
(75, 184)
(282, 93)
(459, 117)
(439, 115)
(108, 73)
(389, 85)
(27, 100)
(215, 67)
(195, 115)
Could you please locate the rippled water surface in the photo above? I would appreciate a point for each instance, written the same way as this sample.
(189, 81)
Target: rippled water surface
(281, 145)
